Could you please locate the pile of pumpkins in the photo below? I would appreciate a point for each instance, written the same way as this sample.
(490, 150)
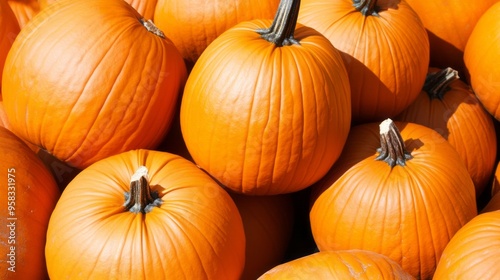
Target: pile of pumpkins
(154, 139)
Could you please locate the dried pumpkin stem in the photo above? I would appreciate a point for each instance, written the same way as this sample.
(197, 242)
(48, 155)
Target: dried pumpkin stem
(366, 7)
(282, 29)
(151, 27)
(141, 198)
(438, 83)
(392, 147)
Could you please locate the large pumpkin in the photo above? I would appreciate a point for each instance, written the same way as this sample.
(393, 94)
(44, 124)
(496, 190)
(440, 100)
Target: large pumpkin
(473, 252)
(267, 110)
(400, 190)
(449, 24)
(29, 194)
(448, 105)
(384, 46)
(341, 264)
(88, 80)
(9, 29)
(193, 24)
(481, 54)
(145, 214)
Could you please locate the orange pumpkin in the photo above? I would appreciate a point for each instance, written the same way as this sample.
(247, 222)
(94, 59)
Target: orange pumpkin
(384, 46)
(472, 253)
(267, 110)
(24, 10)
(481, 54)
(145, 214)
(29, 194)
(449, 24)
(4, 121)
(193, 24)
(448, 105)
(9, 28)
(110, 89)
(399, 189)
(268, 222)
(495, 187)
(341, 264)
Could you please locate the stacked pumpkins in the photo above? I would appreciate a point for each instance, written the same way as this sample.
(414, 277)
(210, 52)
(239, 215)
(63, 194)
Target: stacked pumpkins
(191, 129)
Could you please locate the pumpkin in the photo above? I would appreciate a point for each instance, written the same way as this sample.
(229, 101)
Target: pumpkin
(9, 28)
(449, 24)
(29, 194)
(268, 223)
(481, 53)
(110, 89)
(495, 187)
(149, 215)
(492, 204)
(384, 46)
(267, 110)
(4, 121)
(448, 105)
(24, 10)
(398, 189)
(341, 264)
(193, 24)
(472, 253)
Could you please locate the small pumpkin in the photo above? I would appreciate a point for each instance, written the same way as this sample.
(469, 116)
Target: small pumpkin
(448, 105)
(106, 81)
(268, 222)
(472, 253)
(145, 214)
(266, 108)
(28, 197)
(9, 28)
(481, 54)
(193, 24)
(398, 189)
(341, 264)
(449, 25)
(384, 46)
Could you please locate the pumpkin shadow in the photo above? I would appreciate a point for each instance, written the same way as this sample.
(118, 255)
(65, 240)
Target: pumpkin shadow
(443, 55)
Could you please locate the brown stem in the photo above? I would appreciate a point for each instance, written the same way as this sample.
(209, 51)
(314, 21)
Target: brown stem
(392, 147)
(151, 27)
(283, 27)
(141, 198)
(438, 83)
(366, 7)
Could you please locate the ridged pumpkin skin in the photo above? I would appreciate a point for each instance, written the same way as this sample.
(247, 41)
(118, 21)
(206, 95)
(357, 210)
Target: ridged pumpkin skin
(462, 120)
(24, 10)
(473, 252)
(103, 85)
(195, 233)
(264, 119)
(193, 24)
(481, 55)
(341, 264)
(9, 29)
(408, 213)
(449, 25)
(29, 194)
(386, 56)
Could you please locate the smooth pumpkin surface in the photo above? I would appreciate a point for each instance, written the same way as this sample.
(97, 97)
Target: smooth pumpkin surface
(449, 25)
(481, 55)
(341, 264)
(472, 253)
(29, 194)
(193, 24)
(405, 201)
(384, 46)
(104, 84)
(9, 28)
(180, 224)
(448, 105)
(264, 117)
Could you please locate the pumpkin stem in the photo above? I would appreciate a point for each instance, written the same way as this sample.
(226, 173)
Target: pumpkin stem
(141, 198)
(151, 27)
(392, 147)
(366, 7)
(283, 27)
(438, 83)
